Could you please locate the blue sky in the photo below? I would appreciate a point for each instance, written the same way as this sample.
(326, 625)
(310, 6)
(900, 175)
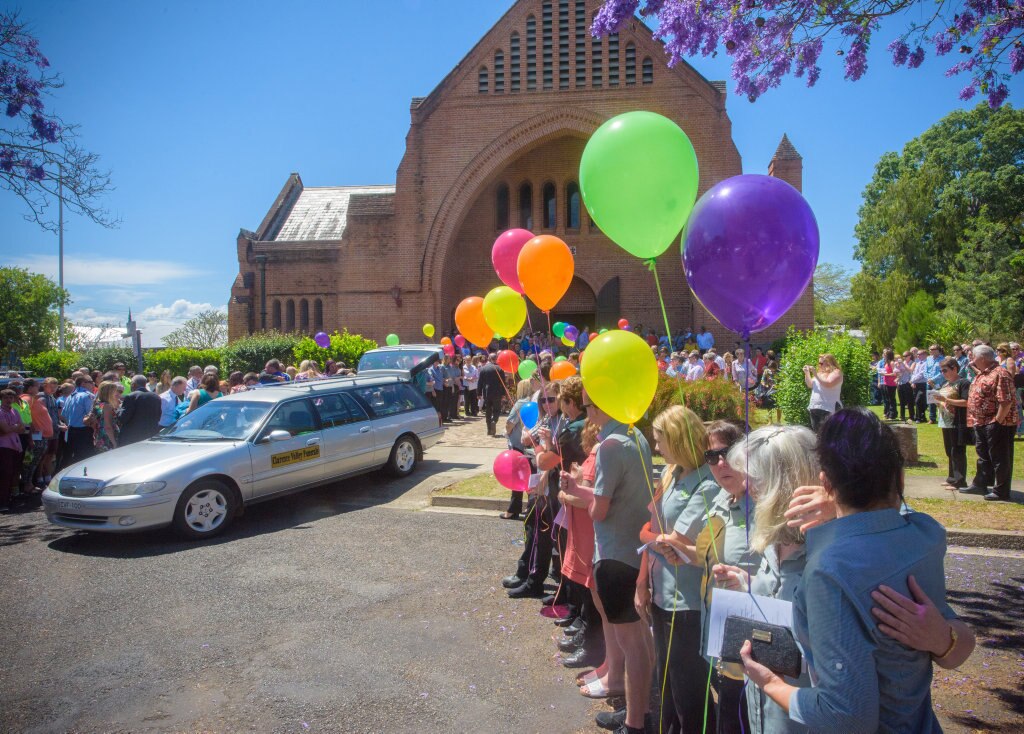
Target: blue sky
(202, 109)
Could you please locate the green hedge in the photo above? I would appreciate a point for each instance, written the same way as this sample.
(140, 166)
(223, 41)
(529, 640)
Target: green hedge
(709, 399)
(345, 347)
(105, 358)
(178, 360)
(251, 353)
(52, 364)
(803, 348)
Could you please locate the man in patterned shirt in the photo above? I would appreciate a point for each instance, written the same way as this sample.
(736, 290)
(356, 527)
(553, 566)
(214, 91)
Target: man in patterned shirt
(992, 413)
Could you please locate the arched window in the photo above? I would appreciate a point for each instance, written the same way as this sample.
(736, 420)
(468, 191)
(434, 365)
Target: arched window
(526, 206)
(630, 64)
(563, 44)
(550, 206)
(596, 62)
(581, 44)
(304, 316)
(482, 86)
(499, 72)
(289, 315)
(318, 315)
(275, 320)
(613, 60)
(501, 207)
(514, 60)
(531, 53)
(648, 71)
(572, 205)
(547, 48)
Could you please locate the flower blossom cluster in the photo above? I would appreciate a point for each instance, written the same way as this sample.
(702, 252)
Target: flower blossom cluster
(768, 40)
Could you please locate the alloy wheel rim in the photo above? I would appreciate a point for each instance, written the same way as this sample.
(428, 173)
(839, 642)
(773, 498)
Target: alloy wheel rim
(405, 456)
(206, 510)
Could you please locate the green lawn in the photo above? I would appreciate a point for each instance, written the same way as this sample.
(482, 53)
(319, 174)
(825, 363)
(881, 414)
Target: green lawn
(954, 514)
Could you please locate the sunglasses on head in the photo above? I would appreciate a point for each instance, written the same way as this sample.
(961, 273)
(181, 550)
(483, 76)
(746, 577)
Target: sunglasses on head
(713, 456)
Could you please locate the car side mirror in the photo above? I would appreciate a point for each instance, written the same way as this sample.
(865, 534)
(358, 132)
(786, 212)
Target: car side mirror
(276, 436)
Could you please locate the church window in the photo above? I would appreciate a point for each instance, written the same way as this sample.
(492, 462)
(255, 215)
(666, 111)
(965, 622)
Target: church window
(630, 64)
(648, 71)
(550, 206)
(613, 60)
(581, 44)
(482, 87)
(318, 315)
(514, 60)
(531, 53)
(304, 316)
(289, 316)
(499, 72)
(563, 44)
(275, 322)
(572, 205)
(501, 207)
(526, 206)
(596, 64)
(547, 48)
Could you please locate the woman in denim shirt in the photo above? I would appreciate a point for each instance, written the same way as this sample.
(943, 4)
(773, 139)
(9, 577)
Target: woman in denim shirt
(863, 679)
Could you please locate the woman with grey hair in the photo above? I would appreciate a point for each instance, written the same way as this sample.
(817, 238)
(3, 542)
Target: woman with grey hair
(776, 461)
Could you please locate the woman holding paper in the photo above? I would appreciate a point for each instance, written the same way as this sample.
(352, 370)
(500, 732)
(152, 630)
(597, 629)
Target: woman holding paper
(777, 461)
(863, 679)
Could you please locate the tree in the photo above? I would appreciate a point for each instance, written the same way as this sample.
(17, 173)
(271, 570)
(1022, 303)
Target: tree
(205, 330)
(945, 216)
(40, 158)
(772, 39)
(917, 321)
(29, 305)
(833, 303)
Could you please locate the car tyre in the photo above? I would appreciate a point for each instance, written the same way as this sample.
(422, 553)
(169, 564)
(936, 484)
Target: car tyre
(404, 454)
(205, 509)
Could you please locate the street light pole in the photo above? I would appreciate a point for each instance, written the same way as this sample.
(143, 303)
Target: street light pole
(60, 251)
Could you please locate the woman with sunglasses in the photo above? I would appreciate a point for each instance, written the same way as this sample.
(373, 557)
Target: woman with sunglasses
(952, 416)
(825, 381)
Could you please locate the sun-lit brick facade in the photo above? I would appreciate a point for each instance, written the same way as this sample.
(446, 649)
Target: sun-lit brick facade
(497, 144)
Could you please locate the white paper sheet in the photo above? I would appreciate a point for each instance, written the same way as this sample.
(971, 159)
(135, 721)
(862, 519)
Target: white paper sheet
(930, 397)
(726, 603)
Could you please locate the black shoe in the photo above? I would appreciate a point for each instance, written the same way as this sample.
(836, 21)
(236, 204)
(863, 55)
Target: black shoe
(993, 497)
(526, 591)
(567, 622)
(611, 719)
(552, 600)
(583, 658)
(973, 490)
(623, 729)
(511, 582)
(575, 627)
(571, 644)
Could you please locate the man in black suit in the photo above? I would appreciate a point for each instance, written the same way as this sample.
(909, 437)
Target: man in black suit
(492, 390)
(139, 416)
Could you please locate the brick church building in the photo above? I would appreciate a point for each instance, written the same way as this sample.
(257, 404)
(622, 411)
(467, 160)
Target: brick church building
(496, 145)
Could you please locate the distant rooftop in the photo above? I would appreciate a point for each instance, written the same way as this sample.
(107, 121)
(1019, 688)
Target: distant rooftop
(321, 213)
(786, 150)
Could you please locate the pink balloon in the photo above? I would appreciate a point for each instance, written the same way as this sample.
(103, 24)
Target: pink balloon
(505, 255)
(512, 470)
(460, 341)
(448, 349)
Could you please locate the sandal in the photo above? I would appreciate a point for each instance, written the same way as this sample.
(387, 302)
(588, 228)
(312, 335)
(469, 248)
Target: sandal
(597, 689)
(586, 677)
(509, 516)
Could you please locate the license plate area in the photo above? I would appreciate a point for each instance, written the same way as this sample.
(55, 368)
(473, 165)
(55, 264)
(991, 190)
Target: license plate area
(66, 505)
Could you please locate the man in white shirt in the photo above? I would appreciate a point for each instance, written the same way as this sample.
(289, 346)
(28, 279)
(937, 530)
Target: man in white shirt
(695, 367)
(170, 400)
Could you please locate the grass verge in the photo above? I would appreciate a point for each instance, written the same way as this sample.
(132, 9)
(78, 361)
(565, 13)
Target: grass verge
(970, 515)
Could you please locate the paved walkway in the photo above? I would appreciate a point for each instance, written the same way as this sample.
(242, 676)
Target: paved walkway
(918, 487)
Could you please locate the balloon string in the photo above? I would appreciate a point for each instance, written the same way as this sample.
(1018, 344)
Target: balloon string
(647, 476)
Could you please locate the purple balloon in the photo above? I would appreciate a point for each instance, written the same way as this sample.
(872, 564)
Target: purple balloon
(571, 333)
(322, 340)
(749, 250)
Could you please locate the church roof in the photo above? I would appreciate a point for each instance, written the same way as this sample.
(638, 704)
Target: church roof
(321, 213)
(786, 151)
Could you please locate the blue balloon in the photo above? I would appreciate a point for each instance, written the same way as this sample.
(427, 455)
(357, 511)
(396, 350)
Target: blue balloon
(529, 413)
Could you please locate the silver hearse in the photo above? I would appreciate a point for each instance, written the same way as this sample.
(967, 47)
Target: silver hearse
(198, 474)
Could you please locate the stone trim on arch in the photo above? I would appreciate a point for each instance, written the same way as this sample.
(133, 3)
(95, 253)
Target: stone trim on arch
(483, 167)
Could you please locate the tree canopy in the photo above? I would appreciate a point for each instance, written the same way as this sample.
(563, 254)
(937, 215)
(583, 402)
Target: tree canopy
(833, 303)
(205, 330)
(28, 311)
(946, 217)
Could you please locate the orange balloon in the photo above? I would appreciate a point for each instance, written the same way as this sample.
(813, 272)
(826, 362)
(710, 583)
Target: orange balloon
(545, 268)
(561, 370)
(469, 317)
(445, 340)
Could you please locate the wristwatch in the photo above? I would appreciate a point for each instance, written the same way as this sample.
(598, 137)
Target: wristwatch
(952, 644)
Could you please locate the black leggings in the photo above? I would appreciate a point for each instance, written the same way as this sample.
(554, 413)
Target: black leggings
(682, 708)
(889, 400)
(905, 392)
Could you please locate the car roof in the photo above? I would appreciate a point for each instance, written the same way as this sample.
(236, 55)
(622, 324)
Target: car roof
(400, 347)
(284, 391)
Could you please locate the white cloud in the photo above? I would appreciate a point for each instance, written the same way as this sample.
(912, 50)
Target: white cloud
(110, 272)
(177, 313)
(155, 322)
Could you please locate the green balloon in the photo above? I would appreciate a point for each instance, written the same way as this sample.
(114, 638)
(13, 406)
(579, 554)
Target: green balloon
(392, 340)
(558, 329)
(603, 331)
(560, 359)
(638, 178)
(526, 369)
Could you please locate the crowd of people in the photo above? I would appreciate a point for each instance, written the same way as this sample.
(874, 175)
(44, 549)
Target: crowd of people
(814, 519)
(47, 424)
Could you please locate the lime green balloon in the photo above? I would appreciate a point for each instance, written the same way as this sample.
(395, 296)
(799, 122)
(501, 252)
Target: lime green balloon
(392, 340)
(620, 375)
(504, 311)
(638, 178)
(603, 331)
(560, 359)
(558, 328)
(526, 369)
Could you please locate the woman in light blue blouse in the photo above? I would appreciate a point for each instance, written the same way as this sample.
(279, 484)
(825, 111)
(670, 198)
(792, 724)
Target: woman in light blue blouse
(863, 679)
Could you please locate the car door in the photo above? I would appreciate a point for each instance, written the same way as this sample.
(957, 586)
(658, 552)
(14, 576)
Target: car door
(389, 405)
(279, 466)
(347, 434)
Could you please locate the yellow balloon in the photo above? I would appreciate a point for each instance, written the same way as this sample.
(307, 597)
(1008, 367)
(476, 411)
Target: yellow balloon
(428, 331)
(568, 342)
(504, 311)
(620, 375)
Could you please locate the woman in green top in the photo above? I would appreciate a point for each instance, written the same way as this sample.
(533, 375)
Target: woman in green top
(210, 390)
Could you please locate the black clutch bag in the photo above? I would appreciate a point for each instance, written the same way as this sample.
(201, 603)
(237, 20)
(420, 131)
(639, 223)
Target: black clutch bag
(773, 646)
